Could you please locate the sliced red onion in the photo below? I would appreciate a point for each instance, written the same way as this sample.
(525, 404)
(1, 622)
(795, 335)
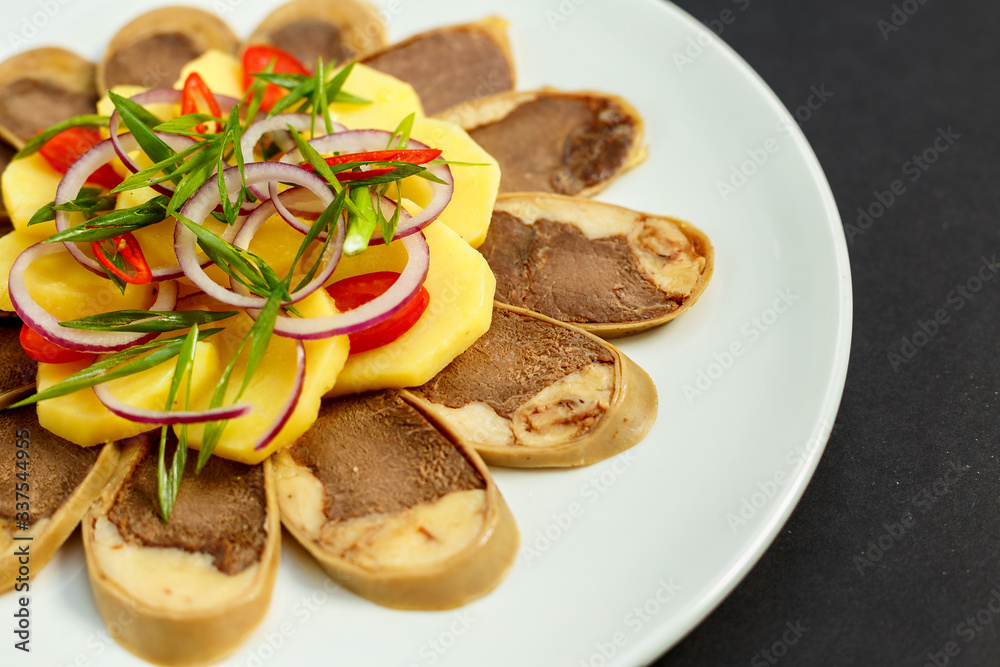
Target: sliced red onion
(168, 417)
(207, 198)
(293, 399)
(158, 96)
(331, 256)
(292, 216)
(48, 325)
(362, 141)
(301, 122)
(75, 178)
(369, 314)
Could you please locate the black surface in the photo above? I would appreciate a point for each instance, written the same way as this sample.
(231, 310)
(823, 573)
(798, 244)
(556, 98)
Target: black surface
(905, 424)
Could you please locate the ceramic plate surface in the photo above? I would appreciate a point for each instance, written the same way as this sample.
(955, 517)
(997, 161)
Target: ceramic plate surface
(619, 560)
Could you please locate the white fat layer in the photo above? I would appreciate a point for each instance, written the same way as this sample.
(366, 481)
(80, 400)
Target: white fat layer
(566, 409)
(167, 578)
(416, 537)
(667, 256)
(477, 423)
(563, 411)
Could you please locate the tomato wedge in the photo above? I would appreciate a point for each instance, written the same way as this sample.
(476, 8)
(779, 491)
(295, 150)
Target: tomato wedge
(127, 247)
(350, 293)
(41, 349)
(62, 150)
(256, 59)
(197, 93)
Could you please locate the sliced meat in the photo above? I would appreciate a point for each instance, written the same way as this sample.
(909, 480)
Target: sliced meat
(334, 30)
(392, 508)
(610, 270)
(534, 392)
(551, 141)
(220, 511)
(17, 370)
(375, 454)
(40, 88)
(152, 50)
(55, 467)
(453, 65)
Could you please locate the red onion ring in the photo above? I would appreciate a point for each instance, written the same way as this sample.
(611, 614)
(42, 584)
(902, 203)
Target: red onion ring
(205, 200)
(299, 121)
(158, 96)
(332, 255)
(75, 178)
(47, 325)
(366, 315)
(288, 215)
(362, 141)
(168, 417)
(293, 399)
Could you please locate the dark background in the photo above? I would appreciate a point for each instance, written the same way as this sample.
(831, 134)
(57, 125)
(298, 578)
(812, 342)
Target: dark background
(891, 558)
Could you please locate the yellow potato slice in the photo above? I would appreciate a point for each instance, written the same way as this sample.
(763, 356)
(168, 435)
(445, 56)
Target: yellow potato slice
(476, 187)
(391, 101)
(29, 184)
(271, 384)
(222, 72)
(12, 244)
(82, 419)
(461, 288)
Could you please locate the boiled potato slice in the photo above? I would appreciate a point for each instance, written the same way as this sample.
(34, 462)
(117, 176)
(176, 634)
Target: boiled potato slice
(271, 383)
(476, 183)
(29, 184)
(81, 418)
(63, 287)
(391, 101)
(221, 71)
(461, 288)
(11, 245)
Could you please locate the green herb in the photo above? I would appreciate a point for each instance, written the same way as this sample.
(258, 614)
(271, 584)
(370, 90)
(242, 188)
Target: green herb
(39, 140)
(140, 122)
(169, 482)
(259, 337)
(115, 223)
(89, 202)
(118, 365)
(148, 321)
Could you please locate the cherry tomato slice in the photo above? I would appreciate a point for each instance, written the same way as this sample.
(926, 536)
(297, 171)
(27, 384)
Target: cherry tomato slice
(256, 58)
(41, 349)
(197, 93)
(350, 293)
(62, 150)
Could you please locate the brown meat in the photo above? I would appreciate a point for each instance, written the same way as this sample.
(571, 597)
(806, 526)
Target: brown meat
(16, 368)
(449, 66)
(517, 358)
(221, 511)
(553, 268)
(559, 143)
(375, 454)
(54, 467)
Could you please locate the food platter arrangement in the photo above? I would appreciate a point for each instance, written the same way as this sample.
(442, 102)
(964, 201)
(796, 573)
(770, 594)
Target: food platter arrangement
(315, 280)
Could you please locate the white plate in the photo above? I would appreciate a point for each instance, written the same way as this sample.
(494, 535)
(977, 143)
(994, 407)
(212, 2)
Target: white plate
(628, 555)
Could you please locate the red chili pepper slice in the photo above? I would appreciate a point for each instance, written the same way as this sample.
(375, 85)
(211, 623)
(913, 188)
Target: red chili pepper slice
(65, 148)
(196, 92)
(256, 59)
(408, 155)
(128, 248)
(41, 349)
(352, 292)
